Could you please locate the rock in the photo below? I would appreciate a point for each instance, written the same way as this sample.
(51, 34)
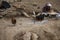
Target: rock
(30, 36)
(27, 36)
(25, 14)
(19, 36)
(34, 36)
(16, 4)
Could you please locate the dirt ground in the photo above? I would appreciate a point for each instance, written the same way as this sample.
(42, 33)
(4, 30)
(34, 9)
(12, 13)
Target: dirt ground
(47, 29)
(50, 27)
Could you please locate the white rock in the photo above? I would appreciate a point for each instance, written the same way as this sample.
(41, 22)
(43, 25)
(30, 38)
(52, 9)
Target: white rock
(34, 36)
(27, 36)
(30, 35)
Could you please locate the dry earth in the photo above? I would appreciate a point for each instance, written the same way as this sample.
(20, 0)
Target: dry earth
(46, 30)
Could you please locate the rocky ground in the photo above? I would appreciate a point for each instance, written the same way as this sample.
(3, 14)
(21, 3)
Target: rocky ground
(26, 29)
